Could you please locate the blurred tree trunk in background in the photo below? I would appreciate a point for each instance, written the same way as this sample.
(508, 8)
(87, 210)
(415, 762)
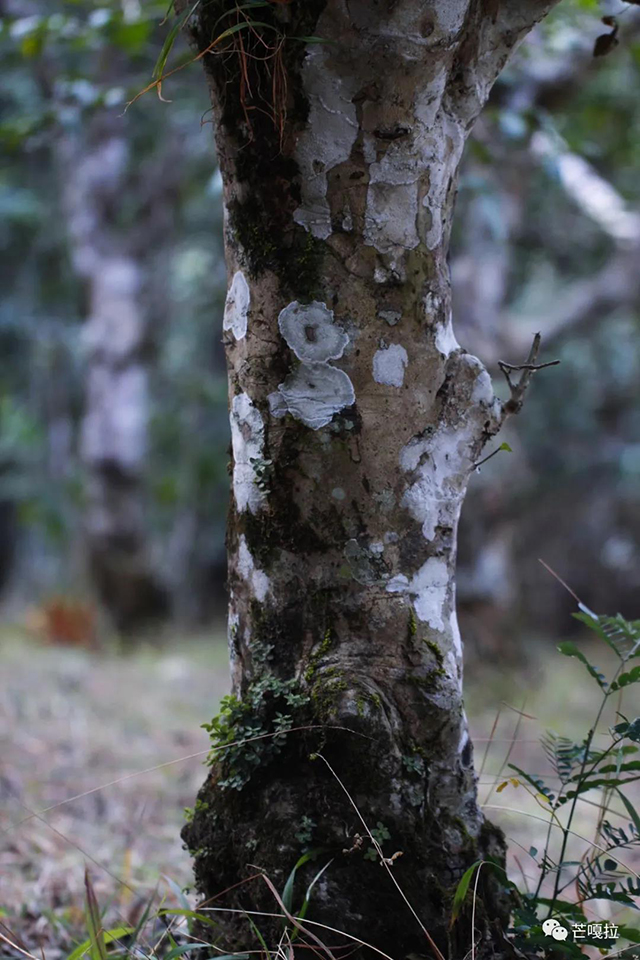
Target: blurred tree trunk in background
(514, 515)
(356, 420)
(118, 340)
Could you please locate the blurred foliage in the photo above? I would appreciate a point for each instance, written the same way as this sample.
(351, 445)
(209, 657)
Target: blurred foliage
(570, 494)
(574, 473)
(62, 69)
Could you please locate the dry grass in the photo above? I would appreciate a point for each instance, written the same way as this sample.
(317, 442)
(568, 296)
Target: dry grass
(71, 721)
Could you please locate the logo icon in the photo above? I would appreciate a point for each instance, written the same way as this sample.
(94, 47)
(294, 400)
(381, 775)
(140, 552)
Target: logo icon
(552, 928)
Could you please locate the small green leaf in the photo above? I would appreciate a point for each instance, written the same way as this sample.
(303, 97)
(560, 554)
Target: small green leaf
(629, 730)
(97, 949)
(178, 893)
(586, 785)
(505, 446)
(569, 649)
(189, 914)
(631, 810)
(625, 679)
(114, 933)
(302, 912)
(563, 907)
(170, 39)
(287, 893)
(535, 782)
(185, 948)
(462, 890)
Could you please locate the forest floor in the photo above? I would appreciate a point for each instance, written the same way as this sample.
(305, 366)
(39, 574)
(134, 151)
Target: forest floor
(73, 722)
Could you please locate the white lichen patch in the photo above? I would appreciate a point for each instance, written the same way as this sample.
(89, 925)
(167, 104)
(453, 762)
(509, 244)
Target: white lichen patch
(311, 333)
(444, 149)
(389, 365)
(446, 342)
(455, 633)
(482, 388)
(442, 465)
(315, 392)
(247, 441)
(427, 590)
(338, 493)
(236, 308)
(392, 212)
(327, 139)
(247, 569)
(390, 316)
(440, 461)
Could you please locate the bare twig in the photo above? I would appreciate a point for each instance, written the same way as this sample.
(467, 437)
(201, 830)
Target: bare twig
(527, 369)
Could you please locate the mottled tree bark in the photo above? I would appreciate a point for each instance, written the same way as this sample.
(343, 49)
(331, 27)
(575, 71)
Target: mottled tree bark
(356, 420)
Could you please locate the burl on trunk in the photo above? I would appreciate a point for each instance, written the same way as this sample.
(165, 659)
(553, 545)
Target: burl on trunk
(356, 420)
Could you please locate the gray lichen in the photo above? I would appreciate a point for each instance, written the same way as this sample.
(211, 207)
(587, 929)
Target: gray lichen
(311, 333)
(314, 392)
(389, 365)
(247, 440)
(236, 308)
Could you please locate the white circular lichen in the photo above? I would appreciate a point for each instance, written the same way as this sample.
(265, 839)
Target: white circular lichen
(311, 333)
(236, 308)
(314, 392)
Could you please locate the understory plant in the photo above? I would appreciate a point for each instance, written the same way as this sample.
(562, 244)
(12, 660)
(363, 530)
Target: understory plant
(567, 888)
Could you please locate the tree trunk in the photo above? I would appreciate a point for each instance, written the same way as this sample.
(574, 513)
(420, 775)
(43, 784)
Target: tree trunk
(117, 350)
(356, 420)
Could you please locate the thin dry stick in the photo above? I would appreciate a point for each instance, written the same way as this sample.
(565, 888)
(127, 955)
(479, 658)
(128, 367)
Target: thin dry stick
(490, 740)
(582, 799)
(525, 879)
(561, 581)
(430, 939)
(514, 739)
(14, 946)
(533, 816)
(527, 369)
(473, 911)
